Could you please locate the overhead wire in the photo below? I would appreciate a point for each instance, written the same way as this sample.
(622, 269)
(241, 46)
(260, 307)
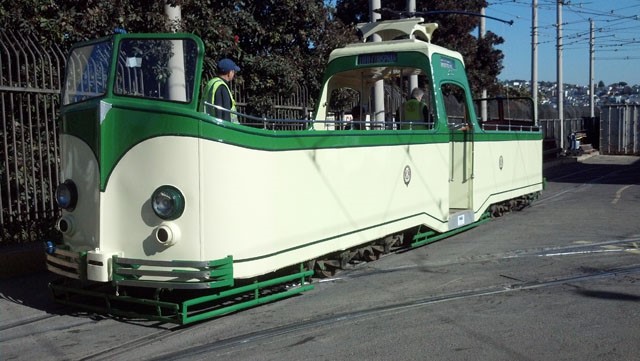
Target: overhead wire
(612, 20)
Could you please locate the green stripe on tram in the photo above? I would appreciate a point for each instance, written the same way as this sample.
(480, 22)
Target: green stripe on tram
(129, 123)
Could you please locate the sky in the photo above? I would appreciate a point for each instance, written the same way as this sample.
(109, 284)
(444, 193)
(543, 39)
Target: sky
(616, 40)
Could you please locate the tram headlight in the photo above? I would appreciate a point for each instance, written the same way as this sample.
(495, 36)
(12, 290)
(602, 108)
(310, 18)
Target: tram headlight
(67, 195)
(167, 202)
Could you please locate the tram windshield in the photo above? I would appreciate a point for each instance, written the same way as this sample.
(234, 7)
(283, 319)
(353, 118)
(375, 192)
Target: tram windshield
(162, 69)
(87, 72)
(157, 69)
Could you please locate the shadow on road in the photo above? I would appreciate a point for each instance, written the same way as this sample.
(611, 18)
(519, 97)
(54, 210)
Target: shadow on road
(30, 291)
(608, 295)
(600, 169)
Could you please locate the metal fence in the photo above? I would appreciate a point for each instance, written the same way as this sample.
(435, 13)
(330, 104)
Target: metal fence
(29, 99)
(620, 129)
(30, 82)
(551, 129)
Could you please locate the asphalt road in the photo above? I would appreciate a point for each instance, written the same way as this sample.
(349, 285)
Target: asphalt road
(559, 280)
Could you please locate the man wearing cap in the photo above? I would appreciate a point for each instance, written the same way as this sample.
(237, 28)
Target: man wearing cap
(218, 92)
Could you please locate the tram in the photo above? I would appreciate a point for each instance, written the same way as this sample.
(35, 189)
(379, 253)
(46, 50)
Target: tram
(159, 199)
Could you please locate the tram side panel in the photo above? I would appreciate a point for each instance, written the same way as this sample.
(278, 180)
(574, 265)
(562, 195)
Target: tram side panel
(271, 209)
(506, 169)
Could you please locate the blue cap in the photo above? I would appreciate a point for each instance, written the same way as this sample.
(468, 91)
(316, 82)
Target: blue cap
(226, 65)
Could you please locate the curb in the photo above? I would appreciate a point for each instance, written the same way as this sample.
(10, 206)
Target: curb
(560, 160)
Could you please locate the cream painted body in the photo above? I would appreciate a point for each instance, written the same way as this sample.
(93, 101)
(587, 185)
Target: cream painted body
(279, 208)
(79, 164)
(518, 173)
(272, 209)
(127, 219)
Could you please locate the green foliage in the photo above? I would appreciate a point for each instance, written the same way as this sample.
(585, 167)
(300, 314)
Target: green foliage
(278, 44)
(66, 22)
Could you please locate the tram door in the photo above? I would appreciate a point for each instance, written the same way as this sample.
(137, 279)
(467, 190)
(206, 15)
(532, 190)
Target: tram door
(461, 154)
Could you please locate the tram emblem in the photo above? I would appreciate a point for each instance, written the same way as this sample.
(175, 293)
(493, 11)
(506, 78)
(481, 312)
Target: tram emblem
(407, 175)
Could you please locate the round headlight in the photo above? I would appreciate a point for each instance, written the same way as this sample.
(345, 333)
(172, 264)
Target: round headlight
(167, 202)
(67, 195)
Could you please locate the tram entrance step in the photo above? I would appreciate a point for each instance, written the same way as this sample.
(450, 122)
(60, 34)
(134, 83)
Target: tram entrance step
(459, 217)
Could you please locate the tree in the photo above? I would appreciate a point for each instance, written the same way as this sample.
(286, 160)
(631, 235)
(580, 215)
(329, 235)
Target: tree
(600, 84)
(483, 60)
(277, 43)
(66, 22)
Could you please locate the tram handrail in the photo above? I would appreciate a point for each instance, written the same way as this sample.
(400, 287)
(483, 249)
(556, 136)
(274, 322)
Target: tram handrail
(339, 124)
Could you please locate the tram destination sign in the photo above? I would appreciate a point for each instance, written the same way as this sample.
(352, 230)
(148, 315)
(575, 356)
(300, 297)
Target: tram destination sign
(447, 63)
(378, 58)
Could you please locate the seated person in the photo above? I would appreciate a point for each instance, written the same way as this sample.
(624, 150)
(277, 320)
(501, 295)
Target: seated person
(356, 122)
(414, 111)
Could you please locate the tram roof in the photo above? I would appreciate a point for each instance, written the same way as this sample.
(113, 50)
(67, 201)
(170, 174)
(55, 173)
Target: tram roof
(390, 31)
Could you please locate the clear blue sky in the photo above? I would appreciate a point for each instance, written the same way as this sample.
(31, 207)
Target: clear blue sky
(617, 39)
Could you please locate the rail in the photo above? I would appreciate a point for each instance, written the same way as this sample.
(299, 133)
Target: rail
(307, 124)
(339, 124)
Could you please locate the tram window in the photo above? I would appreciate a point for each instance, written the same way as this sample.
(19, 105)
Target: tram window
(455, 102)
(87, 72)
(353, 96)
(157, 69)
(346, 110)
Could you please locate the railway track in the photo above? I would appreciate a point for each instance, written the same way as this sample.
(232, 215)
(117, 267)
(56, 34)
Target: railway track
(336, 320)
(609, 246)
(512, 285)
(21, 323)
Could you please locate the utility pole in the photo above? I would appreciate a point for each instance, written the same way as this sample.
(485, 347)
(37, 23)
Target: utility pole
(534, 59)
(378, 99)
(174, 16)
(413, 79)
(177, 80)
(592, 54)
(559, 70)
(481, 35)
